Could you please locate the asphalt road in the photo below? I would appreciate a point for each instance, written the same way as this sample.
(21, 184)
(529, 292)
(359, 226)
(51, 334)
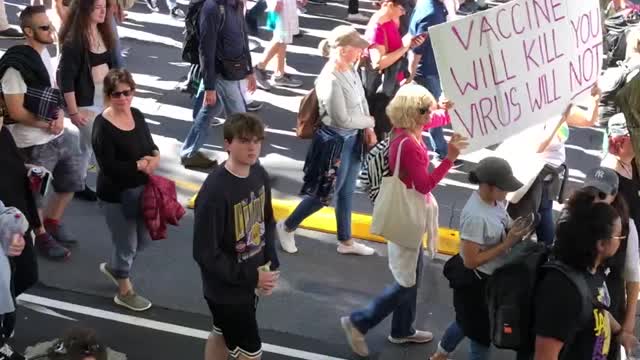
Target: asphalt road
(317, 285)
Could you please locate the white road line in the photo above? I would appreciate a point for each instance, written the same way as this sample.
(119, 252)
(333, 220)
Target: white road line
(158, 325)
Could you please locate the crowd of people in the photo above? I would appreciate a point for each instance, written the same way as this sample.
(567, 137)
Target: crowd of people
(376, 95)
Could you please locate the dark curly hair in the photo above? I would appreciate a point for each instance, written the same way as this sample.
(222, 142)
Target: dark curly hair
(582, 225)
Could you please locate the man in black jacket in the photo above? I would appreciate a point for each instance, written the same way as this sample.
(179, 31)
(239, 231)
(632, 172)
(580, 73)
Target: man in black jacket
(225, 60)
(43, 142)
(234, 242)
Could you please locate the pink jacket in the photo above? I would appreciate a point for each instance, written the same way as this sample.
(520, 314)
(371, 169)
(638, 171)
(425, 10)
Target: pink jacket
(414, 159)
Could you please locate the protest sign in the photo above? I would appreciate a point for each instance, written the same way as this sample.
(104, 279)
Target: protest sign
(517, 65)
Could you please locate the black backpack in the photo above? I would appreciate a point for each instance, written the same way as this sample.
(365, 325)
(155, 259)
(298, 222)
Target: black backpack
(191, 44)
(511, 291)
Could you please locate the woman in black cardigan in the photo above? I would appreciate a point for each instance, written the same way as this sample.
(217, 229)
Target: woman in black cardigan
(87, 54)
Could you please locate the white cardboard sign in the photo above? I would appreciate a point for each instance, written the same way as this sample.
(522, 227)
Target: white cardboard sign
(517, 65)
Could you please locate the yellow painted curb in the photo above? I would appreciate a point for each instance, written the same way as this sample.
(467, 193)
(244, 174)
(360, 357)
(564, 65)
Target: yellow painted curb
(325, 221)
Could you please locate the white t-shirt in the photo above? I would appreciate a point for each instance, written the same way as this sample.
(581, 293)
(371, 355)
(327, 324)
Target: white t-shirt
(13, 83)
(484, 225)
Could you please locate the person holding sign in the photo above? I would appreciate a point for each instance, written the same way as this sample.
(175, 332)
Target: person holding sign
(385, 58)
(422, 62)
(549, 145)
(410, 111)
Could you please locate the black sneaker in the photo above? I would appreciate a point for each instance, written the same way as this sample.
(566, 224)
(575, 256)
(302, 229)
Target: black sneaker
(11, 33)
(7, 353)
(254, 106)
(152, 5)
(87, 194)
(177, 13)
(198, 161)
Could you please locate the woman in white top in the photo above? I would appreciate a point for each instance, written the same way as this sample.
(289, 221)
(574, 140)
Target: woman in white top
(550, 147)
(333, 159)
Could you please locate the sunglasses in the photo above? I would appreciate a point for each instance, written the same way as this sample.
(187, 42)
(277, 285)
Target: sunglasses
(45, 27)
(125, 93)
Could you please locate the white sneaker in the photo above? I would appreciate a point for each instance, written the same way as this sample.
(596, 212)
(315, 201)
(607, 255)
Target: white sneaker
(287, 240)
(420, 337)
(355, 249)
(354, 337)
(357, 18)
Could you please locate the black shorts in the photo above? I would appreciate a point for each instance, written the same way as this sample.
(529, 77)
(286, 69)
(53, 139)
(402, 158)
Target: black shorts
(238, 325)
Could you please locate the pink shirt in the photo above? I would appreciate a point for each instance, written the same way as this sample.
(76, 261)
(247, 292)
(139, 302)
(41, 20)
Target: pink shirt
(387, 35)
(414, 159)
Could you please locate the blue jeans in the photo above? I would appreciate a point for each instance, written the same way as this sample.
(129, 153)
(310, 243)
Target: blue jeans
(454, 335)
(117, 46)
(545, 231)
(437, 141)
(345, 187)
(230, 97)
(401, 301)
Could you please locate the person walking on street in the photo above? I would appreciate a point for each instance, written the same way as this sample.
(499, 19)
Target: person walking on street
(233, 242)
(386, 54)
(410, 111)
(487, 234)
(286, 26)
(87, 55)
(126, 156)
(422, 62)
(225, 60)
(43, 142)
(333, 159)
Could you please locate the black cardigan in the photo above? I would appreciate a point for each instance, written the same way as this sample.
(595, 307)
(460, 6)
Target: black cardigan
(15, 187)
(74, 72)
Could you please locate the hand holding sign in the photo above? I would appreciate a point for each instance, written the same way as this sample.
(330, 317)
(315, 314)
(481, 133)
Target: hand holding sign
(455, 146)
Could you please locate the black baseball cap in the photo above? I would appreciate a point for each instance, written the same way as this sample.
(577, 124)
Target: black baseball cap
(497, 172)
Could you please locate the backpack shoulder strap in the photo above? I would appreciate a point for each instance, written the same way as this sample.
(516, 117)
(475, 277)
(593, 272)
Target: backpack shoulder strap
(580, 283)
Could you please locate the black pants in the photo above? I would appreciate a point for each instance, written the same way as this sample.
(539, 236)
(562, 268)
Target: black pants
(354, 6)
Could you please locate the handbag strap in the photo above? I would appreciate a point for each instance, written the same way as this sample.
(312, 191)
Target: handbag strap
(396, 169)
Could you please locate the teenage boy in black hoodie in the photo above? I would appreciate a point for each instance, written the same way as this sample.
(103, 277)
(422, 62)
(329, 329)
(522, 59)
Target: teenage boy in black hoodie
(234, 241)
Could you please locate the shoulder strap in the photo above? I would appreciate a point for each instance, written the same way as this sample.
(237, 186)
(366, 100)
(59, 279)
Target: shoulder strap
(397, 167)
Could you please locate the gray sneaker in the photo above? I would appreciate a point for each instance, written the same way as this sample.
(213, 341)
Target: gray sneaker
(262, 78)
(132, 301)
(286, 81)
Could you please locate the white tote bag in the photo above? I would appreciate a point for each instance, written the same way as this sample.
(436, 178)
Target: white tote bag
(399, 213)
